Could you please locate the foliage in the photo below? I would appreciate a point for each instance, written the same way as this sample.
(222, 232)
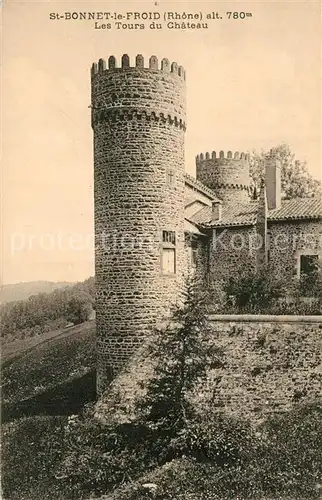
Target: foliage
(291, 453)
(45, 311)
(180, 452)
(181, 355)
(296, 181)
(253, 291)
(263, 293)
(281, 460)
(225, 458)
(32, 449)
(78, 309)
(99, 457)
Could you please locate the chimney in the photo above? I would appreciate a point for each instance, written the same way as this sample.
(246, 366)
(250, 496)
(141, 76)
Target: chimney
(273, 180)
(261, 229)
(216, 211)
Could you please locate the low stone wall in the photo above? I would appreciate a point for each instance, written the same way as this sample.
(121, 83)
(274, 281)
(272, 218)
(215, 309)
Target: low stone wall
(262, 365)
(266, 364)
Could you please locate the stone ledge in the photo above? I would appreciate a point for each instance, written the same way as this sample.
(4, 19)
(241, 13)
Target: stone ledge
(264, 318)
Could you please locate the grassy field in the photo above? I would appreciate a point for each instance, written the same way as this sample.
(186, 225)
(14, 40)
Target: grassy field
(54, 368)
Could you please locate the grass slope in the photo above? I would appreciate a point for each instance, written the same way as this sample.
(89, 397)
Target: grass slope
(49, 371)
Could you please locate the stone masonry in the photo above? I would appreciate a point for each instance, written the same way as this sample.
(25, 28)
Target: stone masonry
(138, 121)
(227, 176)
(154, 223)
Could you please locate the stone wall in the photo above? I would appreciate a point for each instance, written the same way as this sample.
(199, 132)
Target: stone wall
(227, 176)
(287, 241)
(262, 365)
(138, 120)
(232, 252)
(266, 363)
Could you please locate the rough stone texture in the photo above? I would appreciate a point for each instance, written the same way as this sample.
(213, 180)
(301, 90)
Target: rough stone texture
(288, 240)
(227, 176)
(262, 366)
(138, 119)
(232, 252)
(268, 366)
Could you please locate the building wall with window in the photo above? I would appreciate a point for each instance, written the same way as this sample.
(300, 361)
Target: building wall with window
(293, 248)
(290, 242)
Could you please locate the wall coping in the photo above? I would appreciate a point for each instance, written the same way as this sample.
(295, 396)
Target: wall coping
(264, 318)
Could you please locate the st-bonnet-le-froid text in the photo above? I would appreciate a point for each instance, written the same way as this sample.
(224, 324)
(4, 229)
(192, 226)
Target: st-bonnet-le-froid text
(148, 20)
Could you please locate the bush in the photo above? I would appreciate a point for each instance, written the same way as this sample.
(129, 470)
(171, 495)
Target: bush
(253, 292)
(99, 457)
(263, 293)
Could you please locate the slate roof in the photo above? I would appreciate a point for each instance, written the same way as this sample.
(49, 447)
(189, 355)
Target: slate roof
(245, 214)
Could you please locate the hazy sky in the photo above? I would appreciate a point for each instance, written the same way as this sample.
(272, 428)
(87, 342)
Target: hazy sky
(250, 84)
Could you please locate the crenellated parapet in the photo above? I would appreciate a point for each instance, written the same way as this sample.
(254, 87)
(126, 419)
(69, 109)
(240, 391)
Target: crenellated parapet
(153, 64)
(124, 91)
(227, 174)
(222, 156)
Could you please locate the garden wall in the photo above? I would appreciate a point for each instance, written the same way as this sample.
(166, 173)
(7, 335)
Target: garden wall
(263, 365)
(269, 363)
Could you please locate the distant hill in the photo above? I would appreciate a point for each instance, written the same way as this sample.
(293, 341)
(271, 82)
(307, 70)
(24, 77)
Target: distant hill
(22, 291)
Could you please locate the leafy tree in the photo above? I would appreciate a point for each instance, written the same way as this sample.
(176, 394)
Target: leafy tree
(78, 308)
(181, 354)
(296, 181)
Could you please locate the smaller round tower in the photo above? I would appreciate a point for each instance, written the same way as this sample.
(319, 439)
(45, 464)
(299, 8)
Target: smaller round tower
(227, 176)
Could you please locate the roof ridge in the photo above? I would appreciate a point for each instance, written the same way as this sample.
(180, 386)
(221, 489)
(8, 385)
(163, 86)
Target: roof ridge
(244, 214)
(199, 185)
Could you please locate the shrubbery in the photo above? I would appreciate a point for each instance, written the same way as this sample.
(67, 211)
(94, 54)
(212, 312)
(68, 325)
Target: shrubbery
(264, 293)
(216, 458)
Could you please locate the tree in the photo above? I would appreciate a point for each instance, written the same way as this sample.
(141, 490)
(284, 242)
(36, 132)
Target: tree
(296, 180)
(78, 308)
(181, 353)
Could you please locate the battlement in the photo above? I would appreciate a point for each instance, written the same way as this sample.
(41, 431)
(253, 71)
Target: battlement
(153, 65)
(229, 156)
(227, 174)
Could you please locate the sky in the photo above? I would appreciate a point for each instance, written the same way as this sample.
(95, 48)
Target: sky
(251, 84)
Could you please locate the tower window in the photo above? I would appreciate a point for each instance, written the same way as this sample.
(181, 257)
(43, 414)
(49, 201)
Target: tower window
(168, 252)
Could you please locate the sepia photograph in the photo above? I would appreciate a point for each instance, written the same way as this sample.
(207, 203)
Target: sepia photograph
(161, 256)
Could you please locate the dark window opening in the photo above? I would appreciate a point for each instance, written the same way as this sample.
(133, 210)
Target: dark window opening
(169, 237)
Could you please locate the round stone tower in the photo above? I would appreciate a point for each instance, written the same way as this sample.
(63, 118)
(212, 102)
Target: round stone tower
(227, 176)
(138, 121)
